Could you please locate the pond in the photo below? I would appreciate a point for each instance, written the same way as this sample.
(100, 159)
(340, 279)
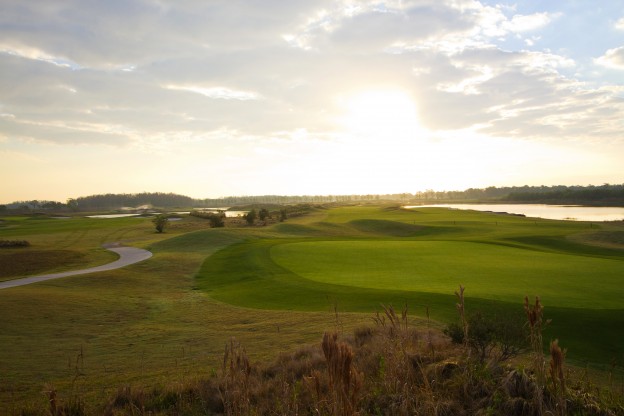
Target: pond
(113, 215)
(228, 214)
(553, 212)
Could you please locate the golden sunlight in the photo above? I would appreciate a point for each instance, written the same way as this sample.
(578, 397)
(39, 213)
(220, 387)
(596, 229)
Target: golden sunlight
(380, 114)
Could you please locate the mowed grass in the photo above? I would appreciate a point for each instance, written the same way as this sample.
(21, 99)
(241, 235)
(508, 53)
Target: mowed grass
(167, 319)
(372, 255)
(491, 271)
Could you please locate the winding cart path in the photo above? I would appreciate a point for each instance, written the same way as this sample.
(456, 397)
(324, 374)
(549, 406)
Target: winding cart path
(127, 256)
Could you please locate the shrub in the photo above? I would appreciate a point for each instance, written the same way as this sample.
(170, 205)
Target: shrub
(160, 222)
(13, 243)
(250, 217)
(217, 220)
(500, 337)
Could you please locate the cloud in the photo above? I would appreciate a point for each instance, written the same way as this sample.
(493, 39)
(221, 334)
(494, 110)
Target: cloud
(527, 23)
(613, 58)
(216, 92)
(123, 73)
(620, 24)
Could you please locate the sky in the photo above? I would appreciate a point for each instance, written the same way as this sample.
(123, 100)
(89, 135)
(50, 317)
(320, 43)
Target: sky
(210, 98)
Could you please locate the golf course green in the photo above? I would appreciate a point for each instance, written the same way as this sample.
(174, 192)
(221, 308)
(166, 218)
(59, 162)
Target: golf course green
(359, 257)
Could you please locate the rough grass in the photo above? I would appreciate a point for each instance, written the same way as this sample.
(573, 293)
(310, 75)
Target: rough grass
(391, 368)
(141, 326)
(608, 238)
(25, 262)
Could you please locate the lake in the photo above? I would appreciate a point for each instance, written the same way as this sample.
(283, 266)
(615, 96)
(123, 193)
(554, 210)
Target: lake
(552, 212)
(113, 215)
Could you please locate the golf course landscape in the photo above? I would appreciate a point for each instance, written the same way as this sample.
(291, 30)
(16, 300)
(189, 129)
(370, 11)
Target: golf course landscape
(278, 286)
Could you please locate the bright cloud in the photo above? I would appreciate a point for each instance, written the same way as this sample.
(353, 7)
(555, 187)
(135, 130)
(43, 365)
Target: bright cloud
(613, 58)
(521, 23)
(217, 92)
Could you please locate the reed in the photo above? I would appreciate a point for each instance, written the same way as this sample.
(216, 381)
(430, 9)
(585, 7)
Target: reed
(557, 378)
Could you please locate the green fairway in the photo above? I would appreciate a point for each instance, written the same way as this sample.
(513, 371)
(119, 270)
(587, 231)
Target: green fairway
(491, 271)
(371, 255)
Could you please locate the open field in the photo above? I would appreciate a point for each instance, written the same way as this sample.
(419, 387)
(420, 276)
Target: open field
(167, 319)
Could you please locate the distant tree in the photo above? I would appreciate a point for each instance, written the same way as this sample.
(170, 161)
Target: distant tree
(250, 217)
(216, 220)
(72, 204)
(160, 222)
(51, 205)
(263, 214)
(283, 215)
(3, 208)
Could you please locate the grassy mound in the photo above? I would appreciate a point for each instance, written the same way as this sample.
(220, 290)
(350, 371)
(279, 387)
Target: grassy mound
(385, 227)
(612, 239)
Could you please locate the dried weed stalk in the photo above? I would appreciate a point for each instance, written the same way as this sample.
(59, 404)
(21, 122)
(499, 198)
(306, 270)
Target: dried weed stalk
(557, 357)
(461, 308)
(234, 387)
(345, 381)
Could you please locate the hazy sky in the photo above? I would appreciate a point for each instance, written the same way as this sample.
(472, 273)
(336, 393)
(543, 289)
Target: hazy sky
(216, 98)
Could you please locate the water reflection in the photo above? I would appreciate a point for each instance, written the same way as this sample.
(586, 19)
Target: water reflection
(553, 212)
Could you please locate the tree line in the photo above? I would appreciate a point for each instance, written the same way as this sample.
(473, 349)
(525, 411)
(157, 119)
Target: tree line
(605, 194)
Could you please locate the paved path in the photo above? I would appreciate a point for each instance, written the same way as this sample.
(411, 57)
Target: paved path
(127, 256)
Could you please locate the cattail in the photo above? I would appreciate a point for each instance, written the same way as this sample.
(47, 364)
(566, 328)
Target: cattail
(557, 357)
(534, 313)
(461, 309)
(344, 380)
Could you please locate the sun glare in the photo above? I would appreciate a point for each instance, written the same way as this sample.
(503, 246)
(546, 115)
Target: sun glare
(381, 114)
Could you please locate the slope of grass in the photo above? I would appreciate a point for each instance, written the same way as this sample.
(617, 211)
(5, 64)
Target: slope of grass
(25, 261)
(489, 270)
(499, 258)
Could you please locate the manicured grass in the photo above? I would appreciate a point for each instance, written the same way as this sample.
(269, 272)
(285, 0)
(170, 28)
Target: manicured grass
(419, 258)
(491, 271)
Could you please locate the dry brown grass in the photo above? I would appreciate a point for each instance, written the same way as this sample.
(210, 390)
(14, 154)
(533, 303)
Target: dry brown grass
(387, 369)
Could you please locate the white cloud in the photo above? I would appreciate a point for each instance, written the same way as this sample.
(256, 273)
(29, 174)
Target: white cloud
(527, 23)
(620, 24)
(34, 53)
(613, 58)
(469, 85)
(217, 92)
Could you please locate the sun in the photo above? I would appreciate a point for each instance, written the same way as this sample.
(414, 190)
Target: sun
(385, 114)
